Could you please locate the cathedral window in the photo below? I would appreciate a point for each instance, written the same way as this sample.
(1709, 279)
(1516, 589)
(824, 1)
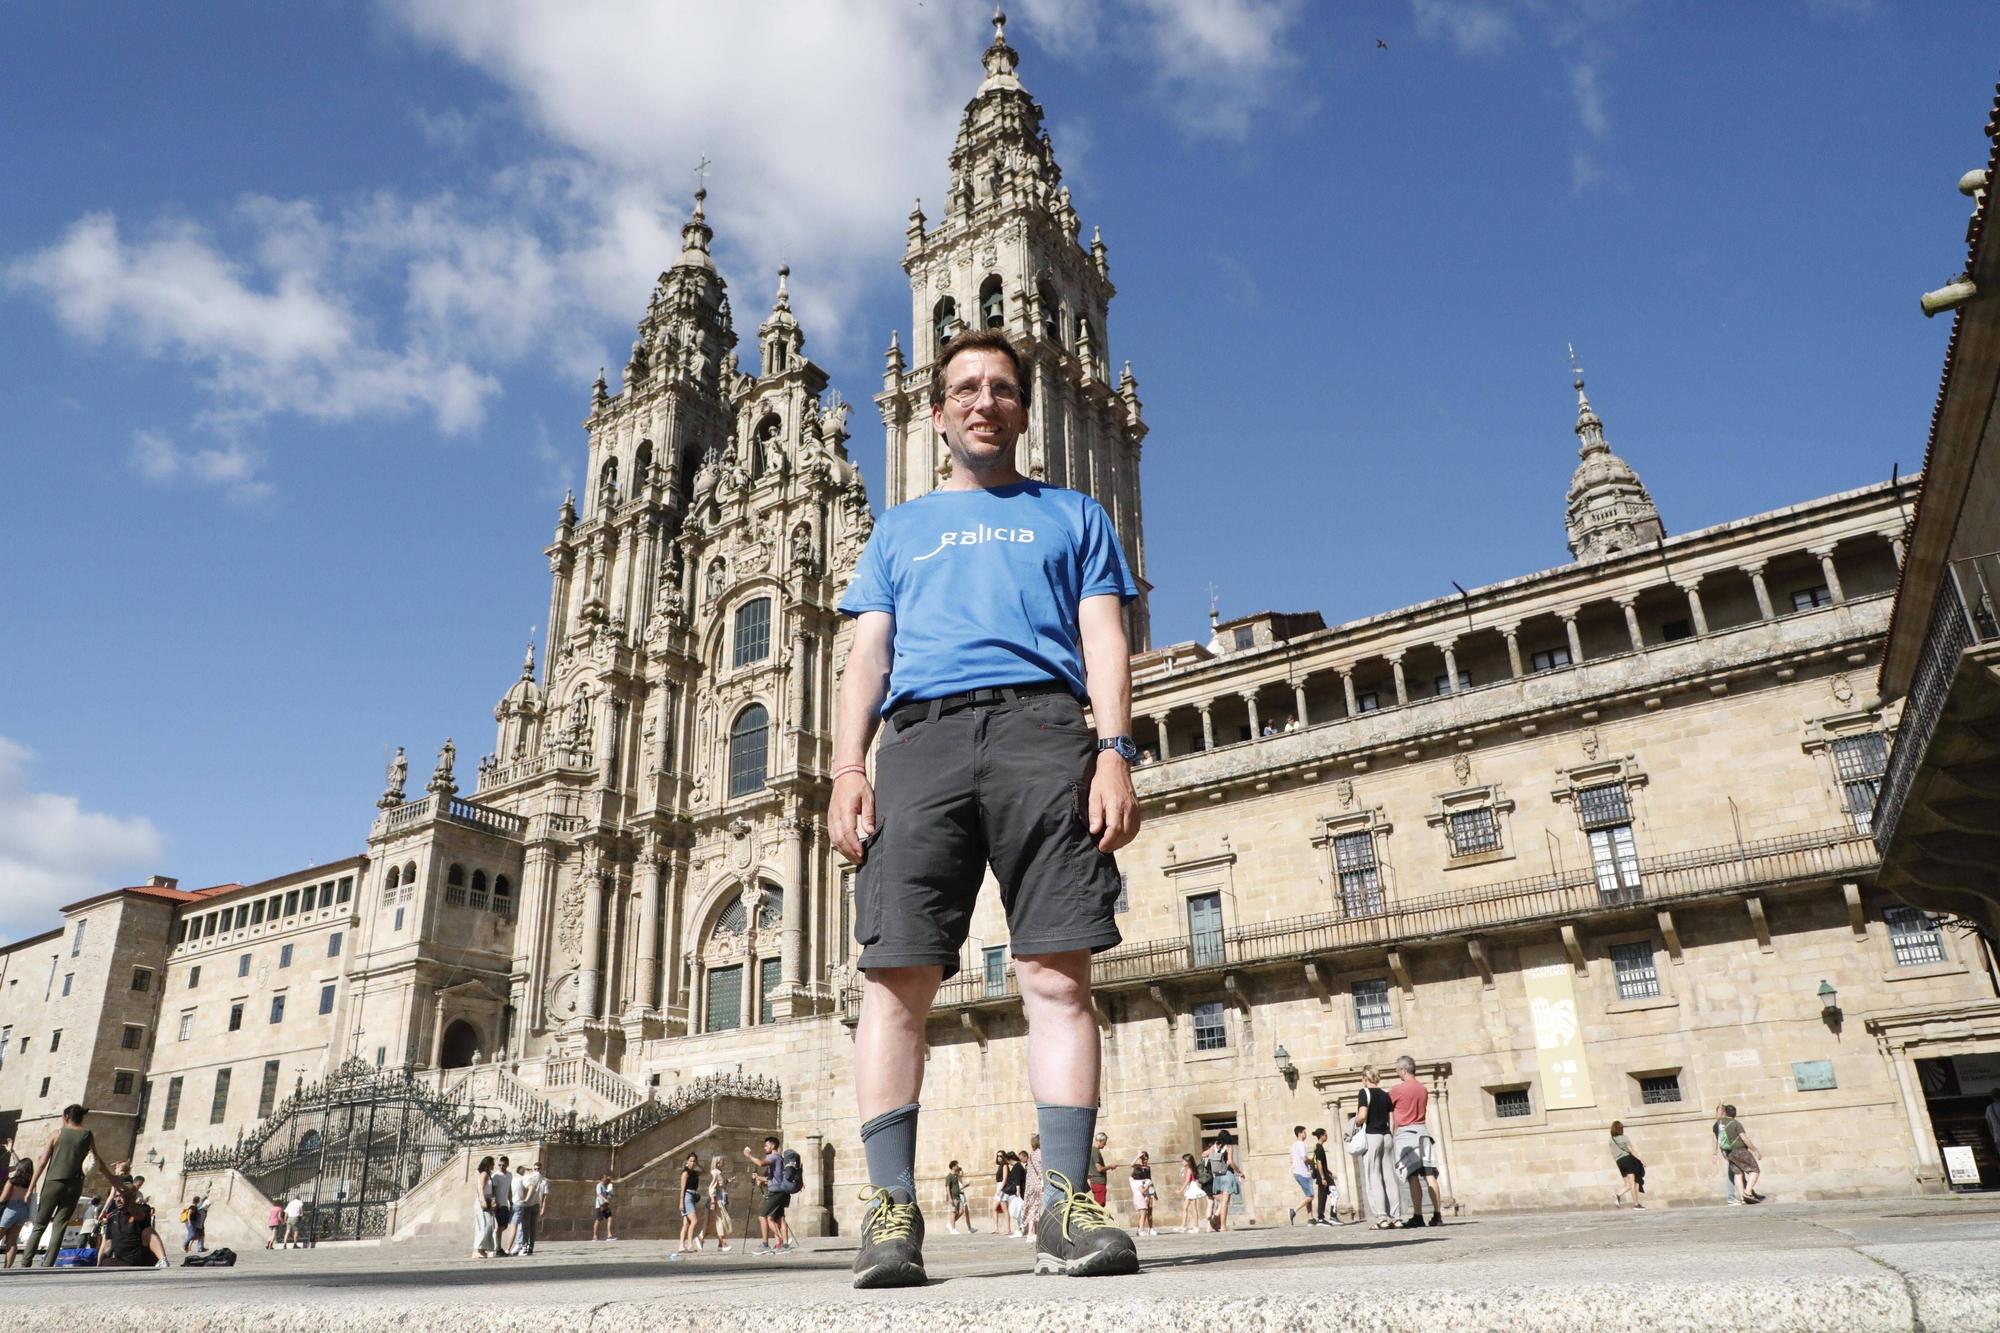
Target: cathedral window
(753, 632)
(642, 464)
(749, 742)
(395, 878)
(943, 315)
(607, 485)
(503, 894)
(454, 881)
(723, 1009)
(479, 888)
(992, 305)
(409, 875)
(769, 975)
(1052, 327)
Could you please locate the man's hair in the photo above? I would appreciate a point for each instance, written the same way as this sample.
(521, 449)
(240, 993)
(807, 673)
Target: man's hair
(992, 340)
(1406, 1064)
(1729, 1108)
(771, 1139)
(1102, 1135)
(1298, 1130)
(74, 1113)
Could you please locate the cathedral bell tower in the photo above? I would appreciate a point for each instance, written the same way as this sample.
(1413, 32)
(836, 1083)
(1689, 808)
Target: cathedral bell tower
(1609, 509)
(1006, 255)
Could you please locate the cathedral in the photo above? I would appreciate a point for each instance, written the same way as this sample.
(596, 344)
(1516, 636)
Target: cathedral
(1589, 843)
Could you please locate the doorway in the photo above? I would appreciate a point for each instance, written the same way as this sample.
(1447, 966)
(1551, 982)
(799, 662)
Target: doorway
(1958, 1091)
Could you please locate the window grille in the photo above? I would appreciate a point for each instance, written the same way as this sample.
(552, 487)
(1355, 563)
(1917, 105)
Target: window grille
(724, 1010)
(1360, 876)
(121, 1083)
(1509, 1103)
(1615, 860)
(1474, 831)
(1211, 1027)
(267, 1095)
(218, 1110)
(1632, 963)
(769, 974)
(171, 1112)
(1603, 805)
(1859, 761)
(1371, 1006)
(753, 632)
(1660, 1089)
(1914, 937)
(749, 739)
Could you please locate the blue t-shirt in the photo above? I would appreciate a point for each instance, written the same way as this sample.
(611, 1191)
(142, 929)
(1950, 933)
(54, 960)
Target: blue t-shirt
(985, 586)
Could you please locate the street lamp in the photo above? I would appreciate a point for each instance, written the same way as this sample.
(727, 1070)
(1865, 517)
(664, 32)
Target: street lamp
(1829, 1007)
(1286, 1069)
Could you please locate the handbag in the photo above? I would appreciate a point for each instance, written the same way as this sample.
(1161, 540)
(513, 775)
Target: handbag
(1357, 1142)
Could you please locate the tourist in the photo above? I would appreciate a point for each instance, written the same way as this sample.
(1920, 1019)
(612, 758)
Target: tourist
(1225, 1180)
(1326, 1186)
(1100, 1170)
(59, 1177)
(484, 1241)
(295, 1211)
(1001, 1214)
(771, 1212)
(954, 1197)
(1414, 1147)
(195, 1218)
(1380, 1192)
(1146, 756)
(691, 1210)
(1031, 1199)
(274, 1223)
(14, 1208)
(1630, 1168)
(1144, 1193)
(1718, 1156)
(502, 1203)
(718, 1203)
(127, 1238)
(1742, 1154)
(1194, 1195)
(976, 648)
(600, 1215)
(1302, 1176)
(1016, 1190)
(527, 1196)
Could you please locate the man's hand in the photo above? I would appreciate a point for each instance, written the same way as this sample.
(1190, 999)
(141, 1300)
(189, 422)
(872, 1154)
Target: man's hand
(850, 815)
(1114, 809)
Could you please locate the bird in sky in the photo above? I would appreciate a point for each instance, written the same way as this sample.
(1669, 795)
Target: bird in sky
(1381, 45)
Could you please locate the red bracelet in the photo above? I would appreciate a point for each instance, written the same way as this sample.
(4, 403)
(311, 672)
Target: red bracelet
(845, 769)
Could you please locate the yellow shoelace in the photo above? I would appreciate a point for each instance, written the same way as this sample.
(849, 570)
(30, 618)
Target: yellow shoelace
(887, 1220)
(1082, 1211)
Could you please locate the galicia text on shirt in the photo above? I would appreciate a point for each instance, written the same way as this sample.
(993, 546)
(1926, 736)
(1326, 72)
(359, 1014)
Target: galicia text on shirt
(974, 536)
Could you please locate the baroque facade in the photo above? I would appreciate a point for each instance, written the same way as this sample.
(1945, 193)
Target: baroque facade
(1592, 843)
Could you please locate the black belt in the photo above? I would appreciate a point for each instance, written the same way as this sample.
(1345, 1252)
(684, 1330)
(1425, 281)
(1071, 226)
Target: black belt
(933, 709)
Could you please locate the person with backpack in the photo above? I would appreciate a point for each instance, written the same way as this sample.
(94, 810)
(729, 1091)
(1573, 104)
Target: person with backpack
(195, 1218)
(1225, 1182)
(1735, 1144)
(782, 1177)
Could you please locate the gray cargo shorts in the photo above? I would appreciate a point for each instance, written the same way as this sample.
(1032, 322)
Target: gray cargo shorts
(1004, 784)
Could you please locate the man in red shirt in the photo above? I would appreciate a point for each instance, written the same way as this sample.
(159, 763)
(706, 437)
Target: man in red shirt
(1414, 1149)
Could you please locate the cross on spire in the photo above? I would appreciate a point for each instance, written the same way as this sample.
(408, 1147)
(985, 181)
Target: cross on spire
(701, 172)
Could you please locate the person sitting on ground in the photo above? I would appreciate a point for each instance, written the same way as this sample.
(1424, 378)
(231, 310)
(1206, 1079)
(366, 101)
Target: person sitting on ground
(1742, 1154)
(127, 1238)
(1629, 1166)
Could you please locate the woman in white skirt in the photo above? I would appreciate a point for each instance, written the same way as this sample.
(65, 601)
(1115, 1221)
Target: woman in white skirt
(485, 1240)
(718, 1203)
(1194, 1199)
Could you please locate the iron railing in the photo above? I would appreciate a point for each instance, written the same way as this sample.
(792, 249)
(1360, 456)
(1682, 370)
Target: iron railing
(1967, 612)
(1562, 896)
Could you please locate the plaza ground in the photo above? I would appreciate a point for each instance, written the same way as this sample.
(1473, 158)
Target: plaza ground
(1930, 1263)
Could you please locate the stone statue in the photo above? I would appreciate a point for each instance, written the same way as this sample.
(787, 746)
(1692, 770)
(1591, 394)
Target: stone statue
(442, 783)
(717, 572)
(398, 774)
(802, 548)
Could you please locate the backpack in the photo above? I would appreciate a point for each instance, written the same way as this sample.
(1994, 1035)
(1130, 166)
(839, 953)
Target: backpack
(1204, 1173)
(1722, 1139)
(223, 1257)
(187, 1214)
(791, 1172)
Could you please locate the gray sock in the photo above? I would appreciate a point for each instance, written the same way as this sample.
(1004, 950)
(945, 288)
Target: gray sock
(890, 1142)
(1067, 1134)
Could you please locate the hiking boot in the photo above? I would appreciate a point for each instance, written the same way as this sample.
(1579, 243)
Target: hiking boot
(1078, 1237)
(892, 1243)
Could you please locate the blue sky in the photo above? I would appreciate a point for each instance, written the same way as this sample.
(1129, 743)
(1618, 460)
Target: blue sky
(299, 308)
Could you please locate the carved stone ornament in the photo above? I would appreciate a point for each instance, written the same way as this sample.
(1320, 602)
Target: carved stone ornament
(569, 921)
(1591, 743)
(562, 996)
(1843, 689)
(1343, 791)
(755, 558)
(1461, 768)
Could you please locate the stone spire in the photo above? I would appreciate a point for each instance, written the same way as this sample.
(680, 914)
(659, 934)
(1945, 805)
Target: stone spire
(695, 236)
(1609, 509)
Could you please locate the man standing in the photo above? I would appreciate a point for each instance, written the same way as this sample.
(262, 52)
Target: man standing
(500, 1199)
(197, 1226)
(1413, 1146)
(1741, 1154)
(295, 1211)
(60, 1176)
(984, 612)
(530, 1189)
(771, 1211)
(1302, 1176)
(1100, 1170)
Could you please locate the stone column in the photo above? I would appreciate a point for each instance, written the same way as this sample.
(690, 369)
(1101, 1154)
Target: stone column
(1207, 728)
(590, 976)
(1347, 689)
(1693, 591)
(1250, 699)
(1825, 557)
(437, 1031)
(559, 571)
(1450, 647)
(1299, 704)
(1160, 722)
(674, 893)
(1896, 550)
(1630, 607)
(1402, 686)
(647, 996)
(1512, 633)
(792, 931)
(1756, 573)
(531, 931)
(1575, 639)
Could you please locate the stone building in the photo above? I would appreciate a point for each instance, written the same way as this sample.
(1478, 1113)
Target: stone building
(1591, 843)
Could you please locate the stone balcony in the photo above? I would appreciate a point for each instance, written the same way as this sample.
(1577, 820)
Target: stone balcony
(451, 809)
(1545, 902)
(1709, 663)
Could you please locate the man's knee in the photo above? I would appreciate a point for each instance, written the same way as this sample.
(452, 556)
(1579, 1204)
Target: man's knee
(900, 992)
(1056, 980)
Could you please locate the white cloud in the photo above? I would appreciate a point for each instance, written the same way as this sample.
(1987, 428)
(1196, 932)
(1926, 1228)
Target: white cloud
(230, 467)
(1474, 27)
(1589, 100)
(1220, 60)
(53, 851)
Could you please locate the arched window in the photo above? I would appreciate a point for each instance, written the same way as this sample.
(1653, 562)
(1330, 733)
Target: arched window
(1051, 313)
(777, 355)
(502, 891)
(479, 888)
(730, 921)
(943, 315)
(749, 743)
(607, 483)
(992, 305)
(409, 873)
(455, 877)
(395, 876)
(753, 632)
(642, 463)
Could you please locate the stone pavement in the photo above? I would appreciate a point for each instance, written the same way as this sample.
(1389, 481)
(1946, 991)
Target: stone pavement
(1856, 1266)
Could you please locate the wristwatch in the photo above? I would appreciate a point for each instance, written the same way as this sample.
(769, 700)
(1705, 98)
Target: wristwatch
(1124, 745)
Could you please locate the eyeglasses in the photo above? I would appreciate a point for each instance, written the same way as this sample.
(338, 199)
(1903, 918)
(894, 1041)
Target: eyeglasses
(966, 392)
